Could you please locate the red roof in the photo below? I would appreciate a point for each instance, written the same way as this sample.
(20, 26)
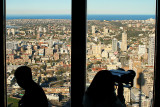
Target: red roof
(10, 54)
(98, 69)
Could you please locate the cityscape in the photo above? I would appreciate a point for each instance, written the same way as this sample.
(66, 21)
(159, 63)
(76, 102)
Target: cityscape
(45, 46)
(127, 44)
(119, 34)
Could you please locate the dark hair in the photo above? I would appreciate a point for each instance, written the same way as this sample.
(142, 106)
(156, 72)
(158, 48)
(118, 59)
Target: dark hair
(23, 72)
(101, 85)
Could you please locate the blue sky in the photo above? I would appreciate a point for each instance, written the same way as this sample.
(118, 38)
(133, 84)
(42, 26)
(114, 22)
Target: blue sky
(94, 6)
(38, 6)
(121, 6)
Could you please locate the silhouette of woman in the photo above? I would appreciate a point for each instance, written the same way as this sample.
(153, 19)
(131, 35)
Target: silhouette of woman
(101, 92)
(34, 95)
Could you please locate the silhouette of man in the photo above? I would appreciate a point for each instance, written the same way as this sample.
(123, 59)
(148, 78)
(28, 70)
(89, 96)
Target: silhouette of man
(101, 92)
(34, 95)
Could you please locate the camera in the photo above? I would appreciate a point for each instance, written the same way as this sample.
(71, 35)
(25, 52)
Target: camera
(122, 76)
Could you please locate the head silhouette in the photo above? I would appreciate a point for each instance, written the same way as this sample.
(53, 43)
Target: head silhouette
(23, 76)
(102, 84)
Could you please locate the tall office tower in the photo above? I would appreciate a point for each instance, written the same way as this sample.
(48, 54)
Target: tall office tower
(38, 35)
(96, 49)
(114, 45)
(8, 31)
(151, 49)
(11, 45)
(41, 52)
(105, 30)
(124, 41)
(142, 49)
(44, 30)
(13, 31)
(40, 29)
(93, 29)
(50, 42)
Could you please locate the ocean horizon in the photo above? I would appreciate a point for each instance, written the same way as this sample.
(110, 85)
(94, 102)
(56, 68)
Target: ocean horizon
(89, 17)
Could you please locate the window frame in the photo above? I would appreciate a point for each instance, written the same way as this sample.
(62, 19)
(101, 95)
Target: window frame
(156, 87)
(78, 56)
(3, 86)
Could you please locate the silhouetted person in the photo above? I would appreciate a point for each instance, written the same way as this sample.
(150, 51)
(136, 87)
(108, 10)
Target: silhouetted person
(34, 95)
(101, 92)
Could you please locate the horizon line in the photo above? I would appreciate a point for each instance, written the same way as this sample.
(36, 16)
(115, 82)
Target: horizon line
(71, 14)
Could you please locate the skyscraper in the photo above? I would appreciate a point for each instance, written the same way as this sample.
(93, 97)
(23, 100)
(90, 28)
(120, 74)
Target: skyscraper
(50, 42)
(40, 29)
(96, 49)
(105, 30)
(38, 35)
(124, 41)
(13, 31)
(114, 45)
(142, 49)
(151, 49)
(93, 30)
(11, 45)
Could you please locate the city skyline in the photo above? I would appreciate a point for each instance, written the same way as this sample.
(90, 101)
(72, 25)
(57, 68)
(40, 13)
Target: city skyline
(35, 7)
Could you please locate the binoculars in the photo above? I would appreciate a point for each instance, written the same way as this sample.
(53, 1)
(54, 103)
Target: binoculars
(122, 76)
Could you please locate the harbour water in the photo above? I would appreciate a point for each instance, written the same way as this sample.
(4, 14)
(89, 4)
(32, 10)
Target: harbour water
(89, 17)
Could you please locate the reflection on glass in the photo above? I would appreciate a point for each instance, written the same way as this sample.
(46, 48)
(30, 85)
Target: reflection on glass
(42, 42)
(123, 40)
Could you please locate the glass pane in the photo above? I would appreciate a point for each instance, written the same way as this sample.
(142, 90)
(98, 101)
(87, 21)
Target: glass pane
(121, 34)
(39, 36)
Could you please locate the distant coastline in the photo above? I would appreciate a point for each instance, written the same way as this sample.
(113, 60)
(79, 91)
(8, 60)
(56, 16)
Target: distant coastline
(89, 17)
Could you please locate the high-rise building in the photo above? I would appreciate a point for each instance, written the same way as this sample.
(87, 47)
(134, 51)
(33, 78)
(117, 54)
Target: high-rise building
(142, 49)
(124, 41)
(29, 50)
(38, 35)
(11, 45)
(40, 29)
(50, 42)
(8, 31)
(44, 30)
(13, 31)
(41, 52)
(105, 30)
(114, 45)
(93, 29)
(96, 49)
(151, 49)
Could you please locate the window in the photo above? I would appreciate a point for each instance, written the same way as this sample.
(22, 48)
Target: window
(38, 34)
(120, 35)
(78, 74)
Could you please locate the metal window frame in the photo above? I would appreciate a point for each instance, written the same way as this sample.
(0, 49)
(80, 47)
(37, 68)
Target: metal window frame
(78, 56)
(3, 87)
(156, 87)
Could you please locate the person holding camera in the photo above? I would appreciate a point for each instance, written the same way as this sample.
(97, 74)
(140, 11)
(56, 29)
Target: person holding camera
(101, 92)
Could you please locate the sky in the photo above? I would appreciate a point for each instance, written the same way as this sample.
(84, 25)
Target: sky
(23, 7)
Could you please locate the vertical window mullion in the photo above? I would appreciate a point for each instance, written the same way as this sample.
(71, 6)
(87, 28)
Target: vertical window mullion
(3, 89)
(156, 93)
(78, 56)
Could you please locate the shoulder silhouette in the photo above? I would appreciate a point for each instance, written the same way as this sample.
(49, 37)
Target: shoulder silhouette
(34, 95)
(101, 92)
